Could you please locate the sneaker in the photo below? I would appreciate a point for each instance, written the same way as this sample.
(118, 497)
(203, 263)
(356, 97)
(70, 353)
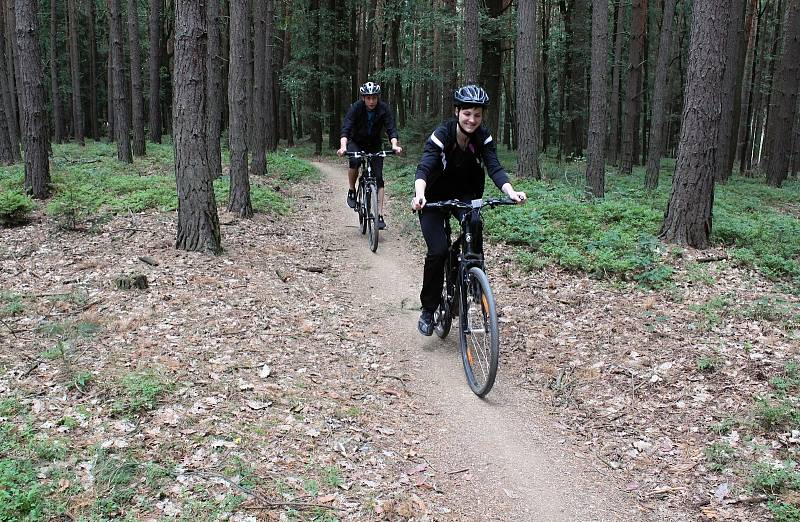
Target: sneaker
(425, 324)
(381, 223)
(351, 198)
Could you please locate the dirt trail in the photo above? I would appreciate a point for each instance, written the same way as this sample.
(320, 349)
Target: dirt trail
(503, 456)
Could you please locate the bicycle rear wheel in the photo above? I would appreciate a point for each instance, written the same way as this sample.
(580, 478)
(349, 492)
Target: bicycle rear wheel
(361, 208)
(479, 335)
(372, 216)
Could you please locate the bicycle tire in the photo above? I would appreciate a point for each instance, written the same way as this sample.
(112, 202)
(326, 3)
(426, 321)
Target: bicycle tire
(479, 334)
(361, 208)
(372, 216)
(443, 317)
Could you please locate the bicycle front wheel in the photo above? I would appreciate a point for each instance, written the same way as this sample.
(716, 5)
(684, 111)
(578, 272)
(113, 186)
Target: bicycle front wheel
(372, 217)
(480, 335)
(361, 208)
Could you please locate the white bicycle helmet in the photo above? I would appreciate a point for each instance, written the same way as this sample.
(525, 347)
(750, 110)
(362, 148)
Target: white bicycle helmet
(470, 95)
(370, 88)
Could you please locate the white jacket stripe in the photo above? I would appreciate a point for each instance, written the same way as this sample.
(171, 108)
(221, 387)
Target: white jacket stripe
(437, 141)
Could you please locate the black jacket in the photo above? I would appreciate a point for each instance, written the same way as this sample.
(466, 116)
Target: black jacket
(451, 173)
(354, 127)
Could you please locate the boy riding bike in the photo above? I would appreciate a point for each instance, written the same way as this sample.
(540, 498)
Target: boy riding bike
(361, 131)
(452, 167)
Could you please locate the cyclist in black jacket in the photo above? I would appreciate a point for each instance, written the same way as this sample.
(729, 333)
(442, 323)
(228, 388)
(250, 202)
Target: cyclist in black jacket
(452, 167)
(361, 130)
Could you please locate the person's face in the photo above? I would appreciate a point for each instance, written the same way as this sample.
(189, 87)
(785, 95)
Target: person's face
(371, 100)
(470, 119)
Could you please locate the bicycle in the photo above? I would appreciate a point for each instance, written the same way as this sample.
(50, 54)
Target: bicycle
(466, 293)
(367, 195)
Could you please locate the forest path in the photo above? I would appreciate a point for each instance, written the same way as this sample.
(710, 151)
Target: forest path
(503, 453)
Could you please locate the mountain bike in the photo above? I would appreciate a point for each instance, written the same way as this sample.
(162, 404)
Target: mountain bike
(467, 294)
(367, 195)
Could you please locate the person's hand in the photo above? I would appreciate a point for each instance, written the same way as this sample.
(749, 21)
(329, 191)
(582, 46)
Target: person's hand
(519, 197)
(418, 202)
(341, 151)
(397, 149)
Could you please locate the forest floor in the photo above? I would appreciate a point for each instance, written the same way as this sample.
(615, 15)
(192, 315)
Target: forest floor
(285, 380)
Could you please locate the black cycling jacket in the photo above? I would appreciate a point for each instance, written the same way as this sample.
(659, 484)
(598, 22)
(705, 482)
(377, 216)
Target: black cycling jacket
(354, 127)
(451, 173)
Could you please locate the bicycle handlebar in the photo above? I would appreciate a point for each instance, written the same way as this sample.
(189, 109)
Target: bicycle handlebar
(475, 203)
(362, 154)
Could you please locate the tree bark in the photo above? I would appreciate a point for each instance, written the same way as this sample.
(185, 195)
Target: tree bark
(751, 24)
(784, 101)
(491, 69)
(239, 202)
(12, 57)
(110, 88)
(258, 166)
(731, 96)
(613, 142)
(365, 47)
(137, 93)
(527, 117)
(122, 124)
(596, 149)
(214, 90)
(55, 94)
(471, 45)
(198, 223)
(660, 83)
(634, 86)
(74, 60)
(8, 96)
(270, 131)
(687, 220)
(154, 67)
(93, 113)
(36, 140)
(545, 106)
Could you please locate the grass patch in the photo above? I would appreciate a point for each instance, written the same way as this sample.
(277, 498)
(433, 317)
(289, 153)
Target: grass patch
(773, 480)
(141, 392)
(719, 455)
(90, 185)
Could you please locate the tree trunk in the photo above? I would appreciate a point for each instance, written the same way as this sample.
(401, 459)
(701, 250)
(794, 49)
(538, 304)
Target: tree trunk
(772, 60)
(491, 69)
(613, 142)
(634, 86)
(365, 47)
(471, 44)
(687, 220)
(93, 113)
(8, 97)
(239, 202)
(747, 90)
(74, 60)
(731, 96)
(55, 94)
(315, 103)
(660, 83)
(546, 14)
(214, 90)
(137, 93)
(286, 113)
(154, 66)
(258, 166)
(596, 149)
(14, 73)
(122, 126)
(527, 118)
(270, 131)
(36, 140)
(784, 100)
(198, 223)
(110, 87)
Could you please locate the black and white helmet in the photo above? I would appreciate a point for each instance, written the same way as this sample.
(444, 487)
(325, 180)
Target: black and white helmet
(470, 95)
(370, 88)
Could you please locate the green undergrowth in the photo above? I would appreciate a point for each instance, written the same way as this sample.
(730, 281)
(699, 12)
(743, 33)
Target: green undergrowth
(616, 237)
(90, 184)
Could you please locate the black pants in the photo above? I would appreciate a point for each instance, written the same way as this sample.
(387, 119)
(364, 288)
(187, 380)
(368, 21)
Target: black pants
(377, 163)
(433, 223)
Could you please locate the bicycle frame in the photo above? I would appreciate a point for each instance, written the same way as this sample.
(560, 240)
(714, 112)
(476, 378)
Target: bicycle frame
(367, 195)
